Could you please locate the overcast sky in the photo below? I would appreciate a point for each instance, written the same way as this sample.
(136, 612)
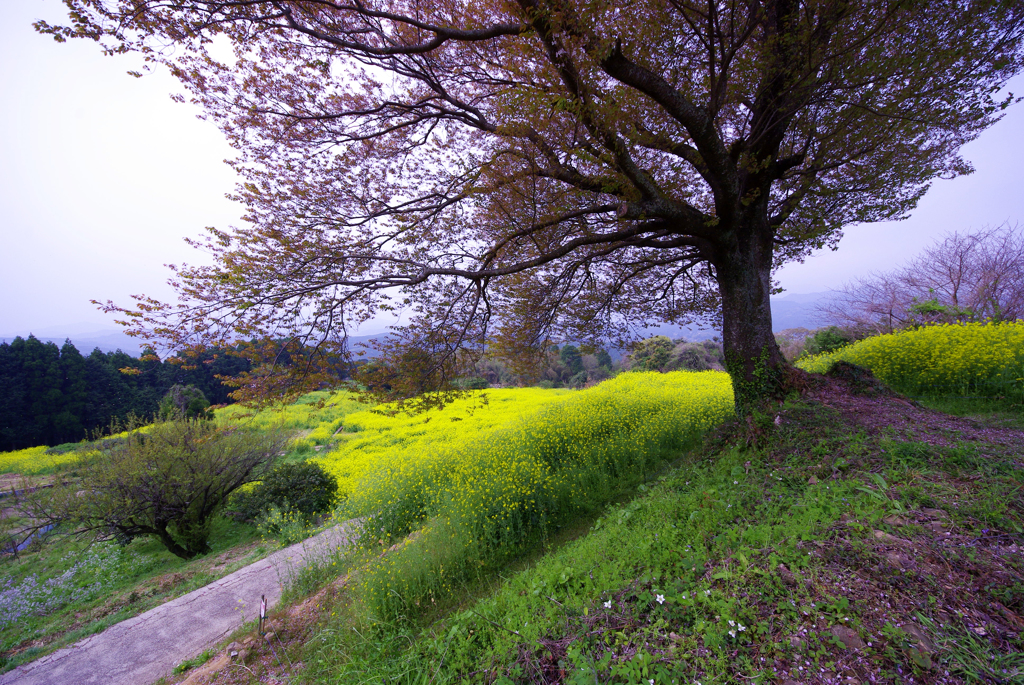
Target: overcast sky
(103, 176)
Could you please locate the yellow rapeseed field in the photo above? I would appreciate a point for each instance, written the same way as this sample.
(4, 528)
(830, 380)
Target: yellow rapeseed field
(972, 359)
(481, 477)
(306, 412)
(34, 460)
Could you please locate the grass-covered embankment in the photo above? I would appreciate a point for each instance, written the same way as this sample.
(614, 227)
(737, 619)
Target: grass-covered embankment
(975, 360)
(856, 538)
(480, 483)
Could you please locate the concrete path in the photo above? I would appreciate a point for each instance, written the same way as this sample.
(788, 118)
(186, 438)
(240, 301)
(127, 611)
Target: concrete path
(143, 649)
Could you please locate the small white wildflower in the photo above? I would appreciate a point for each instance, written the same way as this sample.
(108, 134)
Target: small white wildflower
(742, 627)
(660, 599)
(608, 604)
(732, 623)
(735, 482)
(732, 633)
(707, 593)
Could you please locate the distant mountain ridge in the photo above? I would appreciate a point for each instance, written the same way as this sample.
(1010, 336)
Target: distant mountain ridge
(86, 338)
(788, 311)
(796, 311)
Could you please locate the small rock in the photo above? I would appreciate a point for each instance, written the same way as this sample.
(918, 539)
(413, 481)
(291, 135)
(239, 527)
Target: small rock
(882, 536)
(848, 637)
(796, 643)
(935, 513)
(936, 526)
(895, 520)
(233, 647)
(916, 632)
(896, 560)
(812, 481)
(786, 575)
(791, 682)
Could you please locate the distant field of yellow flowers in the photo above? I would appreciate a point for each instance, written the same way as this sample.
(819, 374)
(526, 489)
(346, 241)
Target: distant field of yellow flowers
(317, 410)
(486, 474)
(968, 360)
(34, 460)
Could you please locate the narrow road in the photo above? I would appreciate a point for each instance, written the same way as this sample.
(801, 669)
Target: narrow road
(143, 649)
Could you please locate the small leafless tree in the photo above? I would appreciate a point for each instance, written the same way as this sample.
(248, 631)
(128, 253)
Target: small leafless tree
(975, 276)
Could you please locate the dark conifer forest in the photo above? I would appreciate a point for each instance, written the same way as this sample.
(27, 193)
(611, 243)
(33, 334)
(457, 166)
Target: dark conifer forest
(51, 395)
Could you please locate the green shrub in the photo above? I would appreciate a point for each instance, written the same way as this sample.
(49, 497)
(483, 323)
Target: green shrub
(471, 383)
(166, 481)
(185, 402)
(303, 488)
(827, 340)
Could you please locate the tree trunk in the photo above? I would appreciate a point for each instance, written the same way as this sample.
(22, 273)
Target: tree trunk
(172, 546)
(752, 356)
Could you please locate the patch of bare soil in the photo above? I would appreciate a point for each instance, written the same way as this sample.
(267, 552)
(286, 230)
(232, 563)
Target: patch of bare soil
(889, 413)
(267, 657)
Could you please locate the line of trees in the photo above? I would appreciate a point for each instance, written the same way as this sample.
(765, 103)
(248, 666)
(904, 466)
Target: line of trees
(51, 395)
(973, 276)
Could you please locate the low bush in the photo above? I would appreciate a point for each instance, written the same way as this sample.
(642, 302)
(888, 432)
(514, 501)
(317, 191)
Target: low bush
(305, 489)
(166, 482)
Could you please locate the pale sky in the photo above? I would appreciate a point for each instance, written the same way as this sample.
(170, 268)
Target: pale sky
(103, 176)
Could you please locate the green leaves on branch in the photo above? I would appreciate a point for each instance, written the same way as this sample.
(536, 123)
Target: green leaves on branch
(166, 480)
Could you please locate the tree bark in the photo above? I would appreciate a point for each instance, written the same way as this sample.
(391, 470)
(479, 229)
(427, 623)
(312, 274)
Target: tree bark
(172, 546)
(752, 355)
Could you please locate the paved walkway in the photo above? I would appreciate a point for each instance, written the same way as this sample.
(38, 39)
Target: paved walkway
(143, 649)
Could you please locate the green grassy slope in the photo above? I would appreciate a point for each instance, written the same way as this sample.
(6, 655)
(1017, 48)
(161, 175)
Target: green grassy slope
(858, 538)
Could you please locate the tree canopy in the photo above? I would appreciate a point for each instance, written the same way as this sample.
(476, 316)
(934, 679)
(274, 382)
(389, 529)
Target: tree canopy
(510, 173)
(166, 482)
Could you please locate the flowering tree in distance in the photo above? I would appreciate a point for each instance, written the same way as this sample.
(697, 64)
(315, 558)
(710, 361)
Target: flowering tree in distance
(508, 171)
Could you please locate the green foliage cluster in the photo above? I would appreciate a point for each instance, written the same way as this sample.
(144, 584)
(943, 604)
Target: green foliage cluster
(826, 340)
(185, 402)
(570, 366)
(652, 354)
(662, 354)
(303, 488)
(166, 481)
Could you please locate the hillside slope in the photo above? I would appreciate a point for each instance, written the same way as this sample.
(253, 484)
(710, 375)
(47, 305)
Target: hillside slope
(854, 536)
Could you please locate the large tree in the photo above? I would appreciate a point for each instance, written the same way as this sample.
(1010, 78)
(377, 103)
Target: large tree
(515, 171)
